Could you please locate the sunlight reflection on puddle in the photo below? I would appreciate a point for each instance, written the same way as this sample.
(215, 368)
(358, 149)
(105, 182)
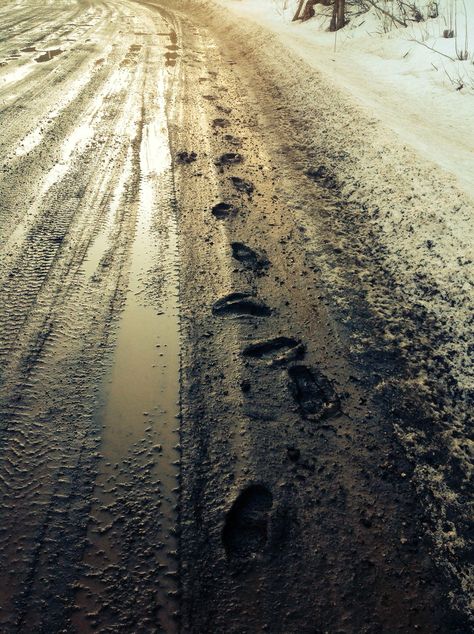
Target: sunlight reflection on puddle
(48, 55)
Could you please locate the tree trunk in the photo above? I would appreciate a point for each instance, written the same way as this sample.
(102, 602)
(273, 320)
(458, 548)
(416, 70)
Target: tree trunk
(309, 10)
(338, 19)
(298, 10)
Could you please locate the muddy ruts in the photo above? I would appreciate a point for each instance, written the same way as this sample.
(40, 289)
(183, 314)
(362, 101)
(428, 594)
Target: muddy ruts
(69, 187)
(297, 510)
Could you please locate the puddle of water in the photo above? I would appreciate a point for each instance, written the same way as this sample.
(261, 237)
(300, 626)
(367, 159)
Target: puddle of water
(171, 59)
(144, 383)
(140, 412)
(173, 56)
(48, 55)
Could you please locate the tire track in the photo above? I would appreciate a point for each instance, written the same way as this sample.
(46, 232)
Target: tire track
(57, 335)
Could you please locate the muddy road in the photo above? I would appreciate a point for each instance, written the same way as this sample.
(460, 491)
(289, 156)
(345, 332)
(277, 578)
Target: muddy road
(196, 435)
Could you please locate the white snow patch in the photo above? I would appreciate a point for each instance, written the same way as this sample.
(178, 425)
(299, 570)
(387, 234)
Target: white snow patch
(410, 88)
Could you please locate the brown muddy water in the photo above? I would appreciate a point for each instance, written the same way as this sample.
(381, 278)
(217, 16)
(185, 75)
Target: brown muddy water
(140, 402)
(48, 55)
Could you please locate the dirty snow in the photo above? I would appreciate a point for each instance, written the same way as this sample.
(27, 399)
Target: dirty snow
(405, 133)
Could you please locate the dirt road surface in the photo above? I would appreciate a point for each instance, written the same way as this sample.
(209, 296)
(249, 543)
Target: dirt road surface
(203, 360)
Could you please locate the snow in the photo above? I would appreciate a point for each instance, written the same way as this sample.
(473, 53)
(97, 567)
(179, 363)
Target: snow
(410, 88)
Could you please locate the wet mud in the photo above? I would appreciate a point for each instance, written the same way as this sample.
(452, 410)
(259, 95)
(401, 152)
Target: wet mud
(89, 356)
(223, 210)
(248, 257)
(197, 420)
(298, 512)
(240, 305)
(245, 531)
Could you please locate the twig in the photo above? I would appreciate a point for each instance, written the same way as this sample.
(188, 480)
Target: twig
(387, 13)
(433, 49)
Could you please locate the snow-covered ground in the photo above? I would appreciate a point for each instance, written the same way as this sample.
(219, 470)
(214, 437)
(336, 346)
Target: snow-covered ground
(409, 78)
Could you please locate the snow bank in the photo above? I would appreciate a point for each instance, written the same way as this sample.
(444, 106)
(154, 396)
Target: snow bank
(426, 96)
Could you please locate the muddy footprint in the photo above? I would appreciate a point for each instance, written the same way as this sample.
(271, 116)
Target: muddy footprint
(245, 531)
(242, 185)
(313, 393)
(248, 257)
(184, 158)
(221, 123)
(240, 305)
(233, 140)
(223, 210)
(277, 350)
(229, 158)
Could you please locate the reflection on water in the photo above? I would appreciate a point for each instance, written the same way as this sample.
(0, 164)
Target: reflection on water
(131, 558)
(48, 55)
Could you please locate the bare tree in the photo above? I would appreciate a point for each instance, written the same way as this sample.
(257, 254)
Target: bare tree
(305, 11)
(338, 19)
(298, 11)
